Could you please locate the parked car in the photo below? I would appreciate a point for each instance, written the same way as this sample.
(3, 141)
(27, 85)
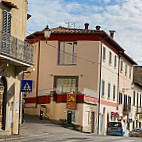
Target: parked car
(136, 133)
(114, 128)
(117, 128)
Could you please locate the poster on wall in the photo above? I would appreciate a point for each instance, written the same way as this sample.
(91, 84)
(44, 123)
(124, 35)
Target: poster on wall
(140, 117)
(71, 101)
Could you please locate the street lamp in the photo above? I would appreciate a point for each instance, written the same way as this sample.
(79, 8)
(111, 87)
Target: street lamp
(47, 33)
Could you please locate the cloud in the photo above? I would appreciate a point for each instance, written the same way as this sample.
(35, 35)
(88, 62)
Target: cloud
(124, 16)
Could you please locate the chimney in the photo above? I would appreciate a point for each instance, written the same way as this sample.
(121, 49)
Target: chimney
(112, 33)
(98, 28)
(86, 26)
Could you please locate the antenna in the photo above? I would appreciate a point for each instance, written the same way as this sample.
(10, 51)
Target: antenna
(71, 24)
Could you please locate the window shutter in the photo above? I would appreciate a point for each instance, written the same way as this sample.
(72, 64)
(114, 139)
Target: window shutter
(9, 23)
(6, 31)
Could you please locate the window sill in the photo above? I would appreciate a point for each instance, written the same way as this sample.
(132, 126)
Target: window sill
(108, 98)
(66, 64)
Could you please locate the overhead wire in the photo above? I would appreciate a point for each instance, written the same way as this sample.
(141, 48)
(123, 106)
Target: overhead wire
(79, 57)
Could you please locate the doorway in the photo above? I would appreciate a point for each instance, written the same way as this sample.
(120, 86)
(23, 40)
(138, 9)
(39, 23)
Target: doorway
(3, 82)
(92, 121)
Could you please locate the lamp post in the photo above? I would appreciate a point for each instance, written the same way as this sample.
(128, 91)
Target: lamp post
(47, 33)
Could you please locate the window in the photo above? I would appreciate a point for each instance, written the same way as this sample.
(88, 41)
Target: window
(110, 58)
(109, 90)
(140, 101)
(120, 98)
(129, 73)
(104, 53)
(114, 91)
(125, 100)
(65, 84)
(134, 98)
(125, 69)
(6, 31)
(137, 99)
(115, 61)
(129, 102)
(67, 53)
(121, 67)
(103, 88)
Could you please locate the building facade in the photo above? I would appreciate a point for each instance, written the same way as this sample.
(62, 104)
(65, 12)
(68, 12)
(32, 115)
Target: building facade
(126, 90)
(15, 56)
(76, 61)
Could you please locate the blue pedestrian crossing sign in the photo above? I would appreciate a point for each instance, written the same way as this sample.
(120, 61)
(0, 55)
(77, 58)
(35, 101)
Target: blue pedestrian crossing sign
(26, 86)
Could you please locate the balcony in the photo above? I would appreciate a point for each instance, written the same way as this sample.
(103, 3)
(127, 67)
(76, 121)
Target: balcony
(15, 50)
(126, 109)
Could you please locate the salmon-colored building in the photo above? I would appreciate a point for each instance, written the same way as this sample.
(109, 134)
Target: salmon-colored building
(83, 62)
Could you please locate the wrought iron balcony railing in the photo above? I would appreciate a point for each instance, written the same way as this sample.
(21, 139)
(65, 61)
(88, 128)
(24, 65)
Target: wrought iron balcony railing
(16, 48)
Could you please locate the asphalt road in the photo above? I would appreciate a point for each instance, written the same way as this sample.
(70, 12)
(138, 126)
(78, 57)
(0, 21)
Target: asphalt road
(35, 130)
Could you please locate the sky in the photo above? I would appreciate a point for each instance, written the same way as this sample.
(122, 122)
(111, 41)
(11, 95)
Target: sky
(123, 16)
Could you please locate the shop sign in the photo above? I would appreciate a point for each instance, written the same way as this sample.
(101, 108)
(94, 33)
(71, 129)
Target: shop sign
(140, 117)
(71, 101)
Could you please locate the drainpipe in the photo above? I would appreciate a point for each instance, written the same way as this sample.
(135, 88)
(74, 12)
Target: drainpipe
(118, 81)
(99, 103)
(37, 77)
(20, 96)
(119, 54)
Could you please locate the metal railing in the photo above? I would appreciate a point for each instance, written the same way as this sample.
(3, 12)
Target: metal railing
(16, 48)
(86, 92)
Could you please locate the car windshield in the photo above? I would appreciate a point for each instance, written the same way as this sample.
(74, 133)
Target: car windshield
(114, 124)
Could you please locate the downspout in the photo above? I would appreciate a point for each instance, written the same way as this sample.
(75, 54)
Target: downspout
(118, 81)
(37, 77)
(99, 101)
(20, 106)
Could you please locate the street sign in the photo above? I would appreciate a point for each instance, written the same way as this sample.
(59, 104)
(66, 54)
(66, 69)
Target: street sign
(26, 86)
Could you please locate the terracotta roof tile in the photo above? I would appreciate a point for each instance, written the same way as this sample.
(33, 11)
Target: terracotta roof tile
(63, 30)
